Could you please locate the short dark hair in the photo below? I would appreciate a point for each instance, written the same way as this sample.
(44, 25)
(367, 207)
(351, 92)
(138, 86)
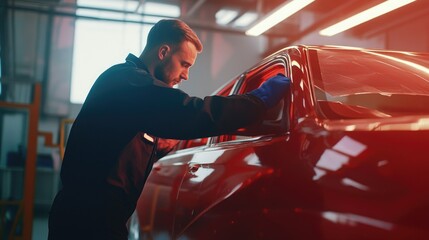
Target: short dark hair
(172, 31)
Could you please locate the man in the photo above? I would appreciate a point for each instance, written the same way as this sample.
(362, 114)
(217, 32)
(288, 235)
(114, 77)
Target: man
(111, 147)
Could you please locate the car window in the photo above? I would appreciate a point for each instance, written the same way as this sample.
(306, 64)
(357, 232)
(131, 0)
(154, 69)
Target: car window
(223, 91)
(252, 80)
(370, 84)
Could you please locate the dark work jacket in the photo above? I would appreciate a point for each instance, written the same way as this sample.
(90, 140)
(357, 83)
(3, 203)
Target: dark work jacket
(105, 150)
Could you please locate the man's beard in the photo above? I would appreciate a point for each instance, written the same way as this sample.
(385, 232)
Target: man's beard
(161, 73)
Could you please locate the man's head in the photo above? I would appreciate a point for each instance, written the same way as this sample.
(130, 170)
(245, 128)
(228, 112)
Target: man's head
(171, 49)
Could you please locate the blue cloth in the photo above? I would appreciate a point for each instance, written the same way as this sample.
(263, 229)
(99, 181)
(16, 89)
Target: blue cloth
(273, 90)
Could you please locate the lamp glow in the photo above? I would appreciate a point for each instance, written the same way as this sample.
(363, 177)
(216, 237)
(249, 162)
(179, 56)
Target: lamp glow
(225, 16)
(364, 16)
(245, 19)
(279, 14)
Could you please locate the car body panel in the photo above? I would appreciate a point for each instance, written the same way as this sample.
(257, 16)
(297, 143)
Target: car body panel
(336, 171)
(213, 178)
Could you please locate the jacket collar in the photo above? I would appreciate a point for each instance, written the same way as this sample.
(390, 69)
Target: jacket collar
(131, 58)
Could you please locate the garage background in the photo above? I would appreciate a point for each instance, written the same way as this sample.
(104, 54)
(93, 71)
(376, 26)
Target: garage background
(52, 50)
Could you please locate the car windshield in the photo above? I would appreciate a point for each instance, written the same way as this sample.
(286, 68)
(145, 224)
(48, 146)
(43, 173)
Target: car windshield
(366, 84)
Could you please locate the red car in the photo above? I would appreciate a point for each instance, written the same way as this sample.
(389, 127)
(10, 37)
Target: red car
(344, 156)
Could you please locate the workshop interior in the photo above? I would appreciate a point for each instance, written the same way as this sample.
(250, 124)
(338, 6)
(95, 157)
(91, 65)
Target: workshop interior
(342, 157)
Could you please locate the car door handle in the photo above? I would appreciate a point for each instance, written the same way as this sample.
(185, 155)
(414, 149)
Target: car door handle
(193, 168)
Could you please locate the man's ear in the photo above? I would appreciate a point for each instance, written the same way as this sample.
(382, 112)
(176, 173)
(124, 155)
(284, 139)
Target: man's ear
(163, 51)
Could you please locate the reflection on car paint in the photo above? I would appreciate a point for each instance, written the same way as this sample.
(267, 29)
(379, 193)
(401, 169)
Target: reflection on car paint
(419, 67)
(332, 160)
(208, 157)
(353, 220)
(358, 172)
(201, 174)
(406, 123)
(252, 159)
(355, 184)
(349, 146)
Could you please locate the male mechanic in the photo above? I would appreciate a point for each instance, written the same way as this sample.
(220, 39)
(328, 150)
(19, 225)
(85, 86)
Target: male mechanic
(112, 144)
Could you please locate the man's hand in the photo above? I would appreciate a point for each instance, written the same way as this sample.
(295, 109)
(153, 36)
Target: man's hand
(273, 90)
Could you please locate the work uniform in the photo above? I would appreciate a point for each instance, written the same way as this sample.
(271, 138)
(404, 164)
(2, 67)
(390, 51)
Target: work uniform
(108, 150)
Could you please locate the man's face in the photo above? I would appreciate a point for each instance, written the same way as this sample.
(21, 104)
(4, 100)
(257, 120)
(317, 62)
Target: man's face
(175, 63)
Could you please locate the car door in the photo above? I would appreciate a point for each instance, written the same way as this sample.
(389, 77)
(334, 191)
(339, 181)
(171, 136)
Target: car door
(227, 166)
(156, 207)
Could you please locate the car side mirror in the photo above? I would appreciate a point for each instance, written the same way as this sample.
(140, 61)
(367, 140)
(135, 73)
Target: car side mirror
(276, 120)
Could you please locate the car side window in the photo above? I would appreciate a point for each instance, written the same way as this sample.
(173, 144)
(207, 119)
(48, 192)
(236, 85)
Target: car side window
(252, 80)
(191, 143)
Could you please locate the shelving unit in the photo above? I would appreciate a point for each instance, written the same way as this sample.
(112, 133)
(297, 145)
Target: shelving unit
(46, 184)
(26, 203)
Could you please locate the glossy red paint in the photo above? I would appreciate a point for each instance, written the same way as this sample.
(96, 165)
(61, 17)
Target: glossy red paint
(343, 167)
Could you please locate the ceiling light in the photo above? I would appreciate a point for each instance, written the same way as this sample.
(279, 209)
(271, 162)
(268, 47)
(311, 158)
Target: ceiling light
(162, 9)
(122, 5)
(364, 16)
(245, 19)
(279, 14)
(225, 16)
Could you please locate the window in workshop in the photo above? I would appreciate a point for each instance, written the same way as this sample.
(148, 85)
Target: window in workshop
(100, 44)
